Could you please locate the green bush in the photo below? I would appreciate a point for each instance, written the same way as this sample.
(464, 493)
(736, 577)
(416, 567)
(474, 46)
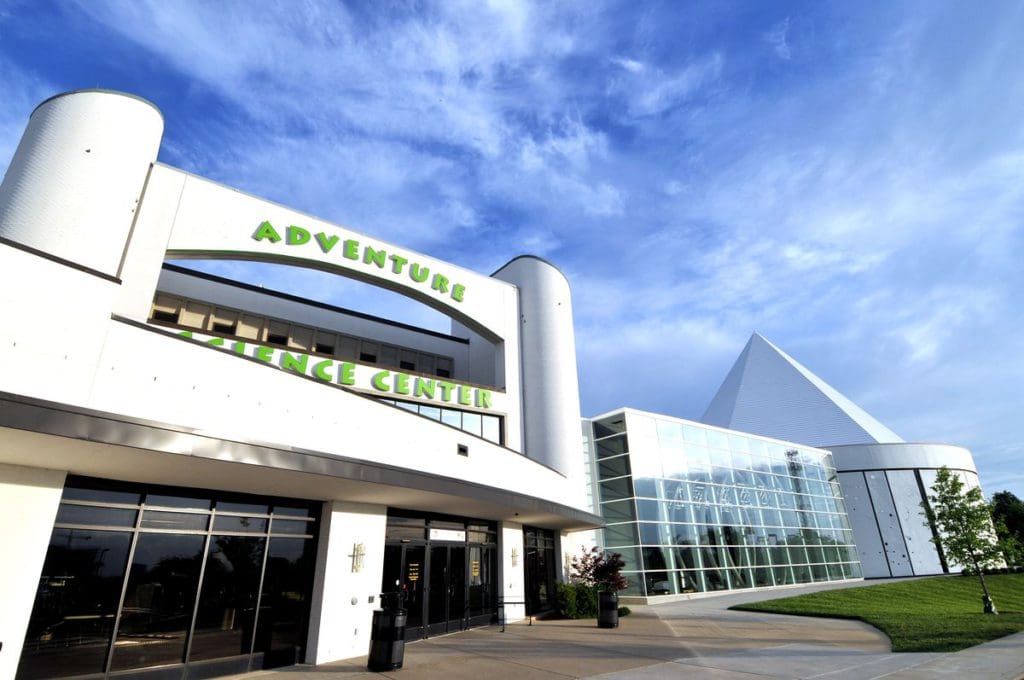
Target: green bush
(576, 601)
(565, 600)
(586, 601)
(624, 611)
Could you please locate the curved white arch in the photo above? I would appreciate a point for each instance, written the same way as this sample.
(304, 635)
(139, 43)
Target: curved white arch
(213, 221)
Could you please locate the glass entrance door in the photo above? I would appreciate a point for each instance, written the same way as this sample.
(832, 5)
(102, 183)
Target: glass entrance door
(447, 576)
(447, 593)
(404, 570)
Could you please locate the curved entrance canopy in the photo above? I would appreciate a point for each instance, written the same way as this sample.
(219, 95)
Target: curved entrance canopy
(216, 222)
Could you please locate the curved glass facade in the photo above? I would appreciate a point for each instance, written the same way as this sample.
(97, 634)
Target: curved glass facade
(694, 508)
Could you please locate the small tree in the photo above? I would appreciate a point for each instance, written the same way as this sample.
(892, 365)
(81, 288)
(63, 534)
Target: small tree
(964, 526)
(599, 569)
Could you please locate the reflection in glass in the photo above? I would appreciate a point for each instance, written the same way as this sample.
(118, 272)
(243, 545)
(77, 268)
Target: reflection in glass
(620, 534)
(246, 508)
(618, 511)
(179, 521)
(472, 424)
(608, 468)
(176, 501)
(732, 510)
(492, 429)
(290, 526)
(89, 514)
(158, 600)
(540, 565)
(281, 625)
(227, 604)
(76, 493)
(613, 446)
(615, 489)
(481, 580)
(233, 523)
(73, 615)
(85, 575)
(451, 417)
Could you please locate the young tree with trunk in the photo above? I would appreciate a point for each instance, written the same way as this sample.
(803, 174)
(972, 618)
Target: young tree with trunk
(964, 527)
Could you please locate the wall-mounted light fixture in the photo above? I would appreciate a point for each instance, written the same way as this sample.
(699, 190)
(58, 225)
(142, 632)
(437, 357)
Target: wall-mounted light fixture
(358, 553)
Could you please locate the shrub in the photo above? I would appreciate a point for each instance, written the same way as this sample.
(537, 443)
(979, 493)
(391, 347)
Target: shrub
(586, 601)
(624, 611)
(565, 600)
(576, 600)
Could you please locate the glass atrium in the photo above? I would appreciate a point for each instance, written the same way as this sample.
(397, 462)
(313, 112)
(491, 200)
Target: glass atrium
(695, 508)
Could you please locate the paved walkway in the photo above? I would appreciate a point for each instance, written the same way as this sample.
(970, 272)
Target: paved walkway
(698, 639)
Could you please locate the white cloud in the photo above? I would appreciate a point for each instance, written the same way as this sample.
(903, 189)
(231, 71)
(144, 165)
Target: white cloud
(653, 92)
(631, 65)
(778, 38)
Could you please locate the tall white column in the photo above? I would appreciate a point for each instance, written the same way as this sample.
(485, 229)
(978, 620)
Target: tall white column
(74, 185)
(29, 498)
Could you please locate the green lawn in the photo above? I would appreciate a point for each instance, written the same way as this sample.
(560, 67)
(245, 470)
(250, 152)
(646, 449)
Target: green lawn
(941, 614)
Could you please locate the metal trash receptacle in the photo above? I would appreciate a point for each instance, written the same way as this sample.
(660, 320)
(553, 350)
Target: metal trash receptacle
(387, 639)
(607, 610)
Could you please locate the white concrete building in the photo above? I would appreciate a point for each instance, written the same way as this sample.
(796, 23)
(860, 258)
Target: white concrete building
(883, 478)
(201, 477)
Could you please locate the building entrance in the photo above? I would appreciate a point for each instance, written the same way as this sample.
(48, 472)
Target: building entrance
(442, 570)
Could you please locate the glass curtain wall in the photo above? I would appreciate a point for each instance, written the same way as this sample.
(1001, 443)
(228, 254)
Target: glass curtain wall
(693, 508)
(141, 577)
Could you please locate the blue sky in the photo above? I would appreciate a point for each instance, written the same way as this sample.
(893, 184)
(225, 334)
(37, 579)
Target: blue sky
(847, 179)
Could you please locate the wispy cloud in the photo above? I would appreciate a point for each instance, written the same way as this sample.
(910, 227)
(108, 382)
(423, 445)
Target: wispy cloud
(778, 38)
(848, 183)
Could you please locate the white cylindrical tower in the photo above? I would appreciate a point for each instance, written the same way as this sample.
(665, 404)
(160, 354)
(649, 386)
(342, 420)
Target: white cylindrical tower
(74, 184)
(550, 383)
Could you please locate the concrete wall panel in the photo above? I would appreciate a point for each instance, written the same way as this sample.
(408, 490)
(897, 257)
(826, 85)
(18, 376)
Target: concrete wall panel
(865, 528)
(888, 524)
(907, 497)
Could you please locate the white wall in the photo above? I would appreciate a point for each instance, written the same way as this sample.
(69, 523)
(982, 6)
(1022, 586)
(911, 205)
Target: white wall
(344, 600)
(156, 376)
(512, 586)
(29, 498)
(55, 324)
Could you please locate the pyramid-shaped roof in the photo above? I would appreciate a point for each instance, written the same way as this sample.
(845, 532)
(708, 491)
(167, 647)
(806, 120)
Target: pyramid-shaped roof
(768, 392)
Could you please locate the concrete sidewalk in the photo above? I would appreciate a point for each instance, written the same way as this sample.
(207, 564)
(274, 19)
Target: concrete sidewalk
(698, 639)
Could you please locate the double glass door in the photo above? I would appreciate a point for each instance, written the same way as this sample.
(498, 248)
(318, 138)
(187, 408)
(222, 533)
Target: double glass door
(444, 585)
(446, 595)
(432, 584)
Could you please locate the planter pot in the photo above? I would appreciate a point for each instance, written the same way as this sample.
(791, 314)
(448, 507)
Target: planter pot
(607, 610)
